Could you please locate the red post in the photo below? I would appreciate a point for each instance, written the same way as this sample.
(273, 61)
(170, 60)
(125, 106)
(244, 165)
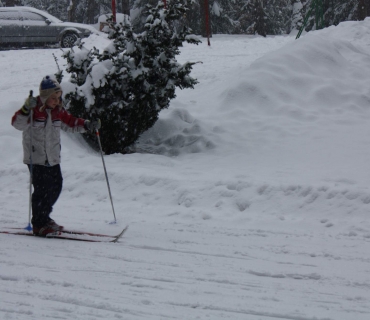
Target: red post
(114, 10)
(165, 4)
(207, 20)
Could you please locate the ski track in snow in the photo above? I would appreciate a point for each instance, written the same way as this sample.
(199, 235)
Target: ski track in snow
(212, 235)
(188, 272)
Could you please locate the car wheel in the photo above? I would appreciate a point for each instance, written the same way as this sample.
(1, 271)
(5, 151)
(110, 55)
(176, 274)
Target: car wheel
(68, 40)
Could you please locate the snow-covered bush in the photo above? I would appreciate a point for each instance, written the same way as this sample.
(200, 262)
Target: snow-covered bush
(133, 79)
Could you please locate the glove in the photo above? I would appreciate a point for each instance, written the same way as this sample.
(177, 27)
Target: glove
(30, 103)
(93, 125)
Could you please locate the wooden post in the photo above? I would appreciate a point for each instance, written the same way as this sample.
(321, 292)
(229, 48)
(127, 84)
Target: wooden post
(114, 10)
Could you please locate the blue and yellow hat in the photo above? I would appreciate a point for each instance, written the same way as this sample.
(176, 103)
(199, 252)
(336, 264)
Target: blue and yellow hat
(48, 86)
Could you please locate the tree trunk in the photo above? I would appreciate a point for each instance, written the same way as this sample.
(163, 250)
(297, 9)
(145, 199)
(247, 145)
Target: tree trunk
(72, 10)
(91, 9)
(361, 10)
(204, 28)
(260, 26)
(367, 6)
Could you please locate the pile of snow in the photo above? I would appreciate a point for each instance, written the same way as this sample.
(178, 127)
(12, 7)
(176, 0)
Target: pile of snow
(306, 103)
(174, 133)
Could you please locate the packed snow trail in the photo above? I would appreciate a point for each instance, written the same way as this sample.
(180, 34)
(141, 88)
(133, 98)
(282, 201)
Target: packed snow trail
(189, 271)
(253, 206)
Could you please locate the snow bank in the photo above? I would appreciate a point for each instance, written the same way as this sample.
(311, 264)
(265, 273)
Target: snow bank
(174, 133)
(307, 83)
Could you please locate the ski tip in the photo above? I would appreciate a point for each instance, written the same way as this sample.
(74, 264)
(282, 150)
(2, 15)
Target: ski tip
(120, 235)
(113, 222)
(28, 228)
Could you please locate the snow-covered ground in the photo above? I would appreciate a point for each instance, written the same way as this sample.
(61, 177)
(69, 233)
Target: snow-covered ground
(252, 201)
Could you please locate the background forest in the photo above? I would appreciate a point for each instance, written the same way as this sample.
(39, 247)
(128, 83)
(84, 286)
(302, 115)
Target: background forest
(227, 16)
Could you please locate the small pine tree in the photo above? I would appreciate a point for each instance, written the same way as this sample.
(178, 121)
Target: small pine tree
(130, 82)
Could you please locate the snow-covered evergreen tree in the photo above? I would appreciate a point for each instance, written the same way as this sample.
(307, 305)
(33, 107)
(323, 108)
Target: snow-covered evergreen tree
(328, 8)
(258, 18)
(297, 16)
(221, 15)
(132, 80)
(277, 16)
(361, 12)
(192, 17)
(335, 11)
(241, 14)
(348, 10)
(140, 9)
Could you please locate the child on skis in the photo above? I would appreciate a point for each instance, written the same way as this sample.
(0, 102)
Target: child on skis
(43, 156)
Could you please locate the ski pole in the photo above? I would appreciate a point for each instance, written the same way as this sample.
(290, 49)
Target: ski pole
(29, 227)
(105, 171)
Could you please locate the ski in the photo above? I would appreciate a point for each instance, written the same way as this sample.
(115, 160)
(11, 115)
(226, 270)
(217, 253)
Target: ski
(53, 236)
(71, 235)
(59, 235)
(80, 232)
(67, 231)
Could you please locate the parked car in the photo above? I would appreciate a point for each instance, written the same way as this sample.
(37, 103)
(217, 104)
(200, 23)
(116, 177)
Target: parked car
(28, 27)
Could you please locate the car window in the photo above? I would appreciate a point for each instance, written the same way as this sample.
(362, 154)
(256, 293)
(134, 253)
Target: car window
(9, 15)
(32, 16)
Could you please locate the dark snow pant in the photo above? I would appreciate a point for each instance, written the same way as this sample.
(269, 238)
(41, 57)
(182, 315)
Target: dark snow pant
(47, 184)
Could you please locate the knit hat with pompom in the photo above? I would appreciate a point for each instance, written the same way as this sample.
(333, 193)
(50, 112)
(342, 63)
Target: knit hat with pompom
(48, 86)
